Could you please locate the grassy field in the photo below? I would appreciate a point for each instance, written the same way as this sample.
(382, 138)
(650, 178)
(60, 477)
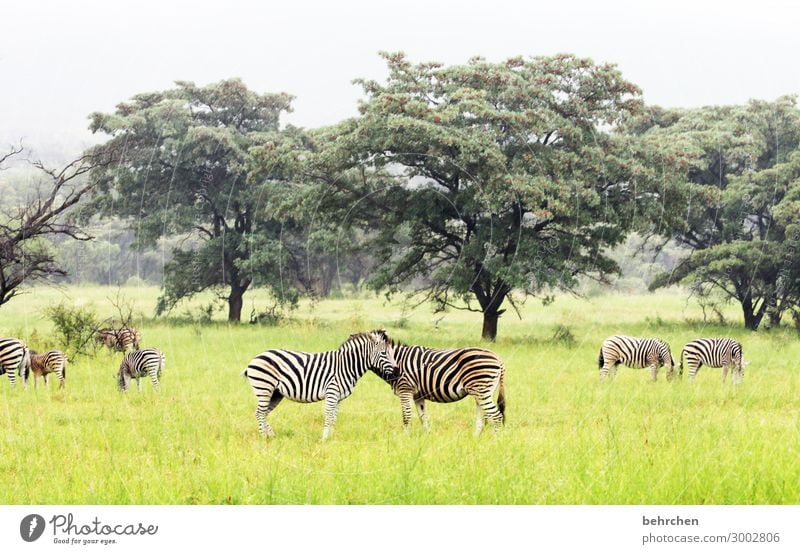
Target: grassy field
(568, 439)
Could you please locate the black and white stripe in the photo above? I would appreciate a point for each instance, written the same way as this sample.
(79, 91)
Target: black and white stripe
(119, 340)
(315, 376)
(635, 353)
(53, 361)
(14, 360)
(449, 376)
(716, 352)
(138, 364)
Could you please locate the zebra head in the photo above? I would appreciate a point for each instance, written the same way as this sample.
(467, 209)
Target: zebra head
(379, 353)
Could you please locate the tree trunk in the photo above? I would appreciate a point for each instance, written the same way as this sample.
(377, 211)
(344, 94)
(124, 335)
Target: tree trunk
(751, 319)
(490, 325)
(235, 303)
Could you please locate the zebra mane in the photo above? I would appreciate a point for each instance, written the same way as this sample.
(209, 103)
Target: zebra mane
(357, 337)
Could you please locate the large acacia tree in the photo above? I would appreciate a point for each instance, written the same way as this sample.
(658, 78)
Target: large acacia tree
(488, 180)
(183, 170)
(739, 194)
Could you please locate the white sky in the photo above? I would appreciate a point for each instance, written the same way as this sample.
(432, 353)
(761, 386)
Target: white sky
(61, 60)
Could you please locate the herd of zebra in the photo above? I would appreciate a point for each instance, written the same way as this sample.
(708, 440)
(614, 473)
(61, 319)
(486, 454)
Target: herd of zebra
(415, 373)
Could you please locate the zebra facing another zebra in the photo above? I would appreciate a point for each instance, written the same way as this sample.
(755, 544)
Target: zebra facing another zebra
(138, 364)
(14, 360)
(714, 352)
(53, 361)
(448, 376)
(635, 353)
(314, 376)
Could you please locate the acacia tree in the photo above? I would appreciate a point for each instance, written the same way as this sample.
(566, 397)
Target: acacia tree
(738, 202)
(487, 179)
(26, 253)
(184, 171)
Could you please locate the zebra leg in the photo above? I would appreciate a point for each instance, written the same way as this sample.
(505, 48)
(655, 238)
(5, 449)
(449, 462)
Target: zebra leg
(331, 406)
(46, 383)
(139, 383)
(479, 417)
(654, 372)
(423, 415)
(405, 406)
(154, 379)
(267, 398)
(724, 372)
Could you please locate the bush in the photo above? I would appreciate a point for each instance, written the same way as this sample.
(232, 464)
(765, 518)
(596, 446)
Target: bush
(74, 327)
(563, 335)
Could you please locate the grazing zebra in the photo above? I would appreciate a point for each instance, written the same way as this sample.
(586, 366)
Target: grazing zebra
(314, 376)
(724, 353)
(138, 364)
(14, 360)
(119, 340)
(449, 376)
(635, 353)
(53, 361)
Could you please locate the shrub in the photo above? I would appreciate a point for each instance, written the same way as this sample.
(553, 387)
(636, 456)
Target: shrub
(74, 327)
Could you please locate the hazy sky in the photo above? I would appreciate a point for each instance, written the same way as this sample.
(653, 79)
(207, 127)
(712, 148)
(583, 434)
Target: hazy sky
(61, 60)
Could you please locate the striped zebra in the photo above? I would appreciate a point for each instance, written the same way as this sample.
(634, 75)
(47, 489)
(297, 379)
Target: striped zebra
(138, 364)
(119, 340)
(14, 360)
(448, 376)
(315, 376)
(53, 361)
(635, 353)
(724, 353)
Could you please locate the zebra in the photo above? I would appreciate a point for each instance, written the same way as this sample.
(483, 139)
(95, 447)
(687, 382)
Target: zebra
(139, 363)
(315, 376)
(14, 360)
(724, 353)
(119, 340)
(635, 353)
(448, 376)
(53, 361)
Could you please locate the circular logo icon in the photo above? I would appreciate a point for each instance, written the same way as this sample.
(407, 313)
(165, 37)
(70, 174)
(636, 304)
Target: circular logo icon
(31, 527)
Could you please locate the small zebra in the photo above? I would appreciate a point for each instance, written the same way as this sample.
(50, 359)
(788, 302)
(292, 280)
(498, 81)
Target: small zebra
(119, 340)
(635, 353)
(724, 353)
(315, 376)
(448, 376)
(53, 361)
(138, 364)
(14, 360)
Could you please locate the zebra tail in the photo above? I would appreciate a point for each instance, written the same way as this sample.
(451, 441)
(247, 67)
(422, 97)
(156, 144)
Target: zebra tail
(680, 371)
(501, 394)
(24, 369)
(600, 359)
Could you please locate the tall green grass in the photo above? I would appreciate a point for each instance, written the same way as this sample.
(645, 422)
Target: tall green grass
(568, 439)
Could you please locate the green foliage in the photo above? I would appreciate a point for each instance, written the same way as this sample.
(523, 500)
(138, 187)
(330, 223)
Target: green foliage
(738, 194)
(74, 327)
(485, 178)
(563, 335)
(185, 173)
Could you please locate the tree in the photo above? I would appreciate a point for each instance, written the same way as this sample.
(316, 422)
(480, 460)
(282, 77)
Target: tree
(739, 202)
(184, 171)
(486, 180)
(26, 253)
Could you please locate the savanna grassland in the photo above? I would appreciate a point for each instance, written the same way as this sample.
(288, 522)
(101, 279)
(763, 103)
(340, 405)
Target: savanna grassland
(568, 439)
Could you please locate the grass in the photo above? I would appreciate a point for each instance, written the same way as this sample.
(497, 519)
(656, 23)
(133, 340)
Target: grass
(568, 440)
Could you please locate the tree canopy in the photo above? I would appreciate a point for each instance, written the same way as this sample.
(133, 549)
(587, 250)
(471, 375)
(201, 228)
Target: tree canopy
(485, 180)
(183, 170)
(738, 202)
